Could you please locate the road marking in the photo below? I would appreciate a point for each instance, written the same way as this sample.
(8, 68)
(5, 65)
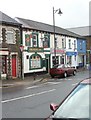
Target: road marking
(31, 87)
(23, 97)
(74, 84)
(54, 83)
(68, 79)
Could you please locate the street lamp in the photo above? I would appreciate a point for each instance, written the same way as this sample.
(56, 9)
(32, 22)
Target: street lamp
(59, 12)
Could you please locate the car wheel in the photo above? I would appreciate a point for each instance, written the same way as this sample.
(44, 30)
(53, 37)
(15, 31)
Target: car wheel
(52, 76)
(65, 74)
(74, 72)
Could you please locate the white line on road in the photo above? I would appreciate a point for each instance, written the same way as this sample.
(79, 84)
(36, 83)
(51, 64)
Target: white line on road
(54, 83)
(74, 84)
(68, 79)
(31, 87)
(23, 97)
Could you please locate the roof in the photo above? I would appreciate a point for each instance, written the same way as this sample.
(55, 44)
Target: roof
(83, 31)
(5, 19)
(26, 23)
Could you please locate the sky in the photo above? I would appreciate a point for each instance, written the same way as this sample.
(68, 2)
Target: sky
(75, 12)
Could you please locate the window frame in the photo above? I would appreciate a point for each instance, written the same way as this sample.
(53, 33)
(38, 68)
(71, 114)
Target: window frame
(37, 44)
(69, 43)
(46, 41)
(34, 61)
(10, 39)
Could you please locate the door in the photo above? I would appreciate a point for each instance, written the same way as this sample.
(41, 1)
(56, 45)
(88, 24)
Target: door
(13, 65)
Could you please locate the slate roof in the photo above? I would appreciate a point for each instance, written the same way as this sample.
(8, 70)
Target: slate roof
(30, 24)
(5, 19)
(83, 31)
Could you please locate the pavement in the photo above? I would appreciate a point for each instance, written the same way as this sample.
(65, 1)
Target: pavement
(28, 80)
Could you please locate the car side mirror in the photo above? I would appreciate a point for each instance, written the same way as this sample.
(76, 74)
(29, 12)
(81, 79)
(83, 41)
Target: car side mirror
(53, 106)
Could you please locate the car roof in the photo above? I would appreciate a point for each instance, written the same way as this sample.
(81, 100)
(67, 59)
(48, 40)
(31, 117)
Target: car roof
(86, 81)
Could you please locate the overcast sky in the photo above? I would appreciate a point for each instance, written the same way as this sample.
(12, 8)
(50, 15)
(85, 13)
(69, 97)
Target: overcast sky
(75, 12)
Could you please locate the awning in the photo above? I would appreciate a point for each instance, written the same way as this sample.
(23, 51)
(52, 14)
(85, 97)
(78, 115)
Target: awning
(71, 53)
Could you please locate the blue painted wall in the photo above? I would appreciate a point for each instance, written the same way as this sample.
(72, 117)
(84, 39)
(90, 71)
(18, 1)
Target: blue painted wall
(81, 46)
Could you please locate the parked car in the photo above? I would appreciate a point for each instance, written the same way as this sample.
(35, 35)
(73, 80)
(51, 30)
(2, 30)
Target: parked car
(62, 70)
(76, 106)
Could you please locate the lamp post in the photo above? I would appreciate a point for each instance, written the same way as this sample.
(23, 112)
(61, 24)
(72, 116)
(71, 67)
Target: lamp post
(22, 61)
(59, 12)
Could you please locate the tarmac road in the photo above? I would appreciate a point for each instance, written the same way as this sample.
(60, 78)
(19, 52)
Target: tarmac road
(32, 101)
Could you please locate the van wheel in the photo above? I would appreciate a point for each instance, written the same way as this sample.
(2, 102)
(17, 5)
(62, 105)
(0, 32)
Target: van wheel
(65, 74)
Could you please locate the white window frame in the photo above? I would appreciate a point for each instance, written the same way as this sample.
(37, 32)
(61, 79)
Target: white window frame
(63, 43)
(35, 62)
(74, 44)
(34, 40)
(10, 37)
(69, 43)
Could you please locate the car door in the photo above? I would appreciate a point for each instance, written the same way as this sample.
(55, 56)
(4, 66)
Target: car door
(69, 70)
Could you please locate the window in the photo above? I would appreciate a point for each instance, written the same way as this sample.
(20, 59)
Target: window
(35, 61)
(74, 44)
(62, 60)
(28, 40)
(35, 40)
(78, 107)
(69, 60)
(27, 57)
(57, 60)
(69, 44)
(81, 45)
(0, 35)
(10, 37)
(63, 44)
(46, 41)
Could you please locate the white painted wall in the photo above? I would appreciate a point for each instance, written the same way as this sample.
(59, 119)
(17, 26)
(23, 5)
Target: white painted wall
(74, 61)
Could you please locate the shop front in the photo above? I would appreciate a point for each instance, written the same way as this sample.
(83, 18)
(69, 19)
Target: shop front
(36, 60)
(3, 63)
(60, 56)
(9, 64)
(71, 58)
(81, 60)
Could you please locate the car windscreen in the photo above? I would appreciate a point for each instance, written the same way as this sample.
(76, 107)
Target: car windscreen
(77, 104)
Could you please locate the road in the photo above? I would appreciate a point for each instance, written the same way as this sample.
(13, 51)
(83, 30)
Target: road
(34, 101)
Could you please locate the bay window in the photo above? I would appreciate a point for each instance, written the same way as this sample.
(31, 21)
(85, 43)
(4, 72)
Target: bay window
(35, 61)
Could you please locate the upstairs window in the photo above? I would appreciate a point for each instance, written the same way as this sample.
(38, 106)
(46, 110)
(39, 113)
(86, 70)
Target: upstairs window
(28, 39)
(10, 37)
(46, 41)
(74, 44)
(69, 44)
(63, 43)
(35, 40)
(81, 45)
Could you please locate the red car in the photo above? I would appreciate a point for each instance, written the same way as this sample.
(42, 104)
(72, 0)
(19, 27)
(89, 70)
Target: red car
(62, 70)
